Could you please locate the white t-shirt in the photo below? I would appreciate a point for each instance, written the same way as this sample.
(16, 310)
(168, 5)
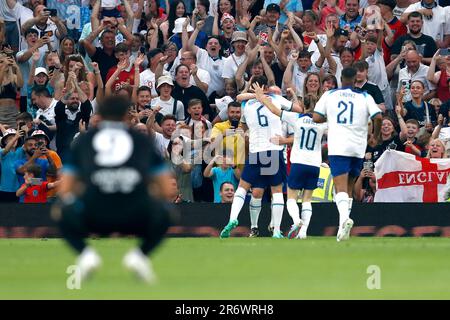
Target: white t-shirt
(48, 113)
(167, 107)
(307, 147)
(147, 78)
(204, 77)
(347, 112)
(421, 74)
(22, 14)
(377, 74)
(50, 29)
(110, 3)
(6, 12)
(215, 69)
(231, 64)
(316, 55)
(161, 144)
(262, 125)
(433, 27)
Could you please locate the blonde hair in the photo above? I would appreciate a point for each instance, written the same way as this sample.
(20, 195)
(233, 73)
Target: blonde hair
(444, 153)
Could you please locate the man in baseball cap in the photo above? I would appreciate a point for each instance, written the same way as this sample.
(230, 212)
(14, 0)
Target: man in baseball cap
(38, 134)
(43, 143)
(273, 7)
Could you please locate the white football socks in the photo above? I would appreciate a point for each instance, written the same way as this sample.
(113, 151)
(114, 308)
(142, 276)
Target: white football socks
(238, 203)
(306, 213)
(255, 209)
(277, 210)
(342, 203)
(293, 210)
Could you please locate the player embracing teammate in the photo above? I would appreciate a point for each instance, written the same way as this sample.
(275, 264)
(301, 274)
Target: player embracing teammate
(346, 112)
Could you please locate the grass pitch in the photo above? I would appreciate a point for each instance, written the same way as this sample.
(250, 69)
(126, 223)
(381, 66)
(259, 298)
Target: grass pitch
(236, 268)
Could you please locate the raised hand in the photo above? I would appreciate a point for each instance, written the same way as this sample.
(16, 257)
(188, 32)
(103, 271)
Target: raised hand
(194, 69)
(163, 59)
(245, 20)
(440, 120)
(293, 55)
(200, 24)
(120, 21)
(95, 67)
(139, 60)
(329, 30)
(36, 56)
(186, 22)
(122, 65)
(259, 91)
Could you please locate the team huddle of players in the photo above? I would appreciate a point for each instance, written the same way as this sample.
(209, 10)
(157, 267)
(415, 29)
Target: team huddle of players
(344, 112)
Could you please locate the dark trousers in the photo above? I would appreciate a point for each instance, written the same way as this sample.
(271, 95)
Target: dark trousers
(145, 218)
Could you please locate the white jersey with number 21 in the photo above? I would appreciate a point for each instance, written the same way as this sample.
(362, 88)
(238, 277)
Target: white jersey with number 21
(347, 112)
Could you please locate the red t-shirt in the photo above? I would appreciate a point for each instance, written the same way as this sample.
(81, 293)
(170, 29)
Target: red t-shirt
(125, 77)
(399, 29)
(36, 194)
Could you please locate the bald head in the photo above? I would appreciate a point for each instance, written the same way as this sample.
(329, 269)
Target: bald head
(412, 60)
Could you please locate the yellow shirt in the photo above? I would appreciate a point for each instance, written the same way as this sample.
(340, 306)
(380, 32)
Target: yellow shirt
(232, 141)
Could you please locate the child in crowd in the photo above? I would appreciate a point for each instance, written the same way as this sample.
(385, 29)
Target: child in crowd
(34, 189)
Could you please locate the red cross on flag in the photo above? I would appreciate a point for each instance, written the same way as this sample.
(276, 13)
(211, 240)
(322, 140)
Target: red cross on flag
(403, 177)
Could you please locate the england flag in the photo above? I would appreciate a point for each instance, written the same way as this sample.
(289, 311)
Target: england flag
(403, 177)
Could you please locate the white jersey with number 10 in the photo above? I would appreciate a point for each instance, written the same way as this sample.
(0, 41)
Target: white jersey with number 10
(307, 147)
(347, 112)
(263, 124)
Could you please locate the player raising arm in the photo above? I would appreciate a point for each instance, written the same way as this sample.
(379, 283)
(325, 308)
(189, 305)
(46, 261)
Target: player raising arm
(264, 166)
(306, 157)
(347, 112)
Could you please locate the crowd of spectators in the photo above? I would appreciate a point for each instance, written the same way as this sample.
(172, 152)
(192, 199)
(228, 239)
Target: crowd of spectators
(183, 65)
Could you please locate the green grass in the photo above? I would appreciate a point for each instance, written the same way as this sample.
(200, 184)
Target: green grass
(236, 268)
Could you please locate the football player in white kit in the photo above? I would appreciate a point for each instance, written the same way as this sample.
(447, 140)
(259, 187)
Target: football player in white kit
(347, 113)
(265, 164)
(306, 158)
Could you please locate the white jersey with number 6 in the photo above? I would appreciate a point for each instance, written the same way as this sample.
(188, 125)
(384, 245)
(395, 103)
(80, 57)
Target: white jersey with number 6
(347, 112)
(307, 147)
(262, 123)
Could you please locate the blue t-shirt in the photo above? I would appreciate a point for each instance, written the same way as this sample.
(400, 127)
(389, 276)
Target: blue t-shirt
(200, 42)
(291, 6)
(9, 182)
(220, 176)
(43, 163)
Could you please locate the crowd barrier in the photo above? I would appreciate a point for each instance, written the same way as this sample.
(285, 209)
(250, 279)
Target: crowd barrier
(207, 220)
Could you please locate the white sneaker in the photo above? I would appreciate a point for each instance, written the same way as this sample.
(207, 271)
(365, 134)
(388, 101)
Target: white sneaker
(88, 261)
(344, 231)
(138, 263)
(302, 234)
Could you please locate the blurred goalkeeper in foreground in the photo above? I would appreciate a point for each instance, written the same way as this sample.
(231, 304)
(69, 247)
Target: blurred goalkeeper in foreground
(105, 189)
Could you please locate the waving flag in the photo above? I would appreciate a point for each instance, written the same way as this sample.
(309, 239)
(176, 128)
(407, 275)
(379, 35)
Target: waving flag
(403, 177)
